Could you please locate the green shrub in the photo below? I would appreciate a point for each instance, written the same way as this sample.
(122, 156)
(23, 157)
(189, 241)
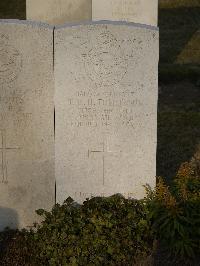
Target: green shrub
(115, 230)
(175, 213)
(102, 231)
(16, 248)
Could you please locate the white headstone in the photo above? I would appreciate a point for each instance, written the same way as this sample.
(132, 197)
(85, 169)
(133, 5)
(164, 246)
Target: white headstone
(138, 11)
(59, 11)
(106, 109)
(26, 122)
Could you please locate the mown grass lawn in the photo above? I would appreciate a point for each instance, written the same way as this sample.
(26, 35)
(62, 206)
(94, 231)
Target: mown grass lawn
(13, 9)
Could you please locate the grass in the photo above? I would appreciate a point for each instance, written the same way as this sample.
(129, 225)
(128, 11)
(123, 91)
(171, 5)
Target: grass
(13, 9)
(179, 78)
(179, 34)
(179, 31)
(178, 124)
(179, 23)
(178, 139)
(178, 3)
(173, 73)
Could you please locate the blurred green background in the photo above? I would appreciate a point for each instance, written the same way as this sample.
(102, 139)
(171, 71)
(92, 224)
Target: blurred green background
(179, 80)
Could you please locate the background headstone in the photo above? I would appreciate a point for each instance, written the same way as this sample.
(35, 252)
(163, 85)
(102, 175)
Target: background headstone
(59, 11)
(26, 122)
(138, 11)
(106, 109)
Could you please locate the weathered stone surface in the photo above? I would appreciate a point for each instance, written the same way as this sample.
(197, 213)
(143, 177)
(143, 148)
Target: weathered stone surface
(59, 11)
(138, 11)
(26, 122)
(106, 109)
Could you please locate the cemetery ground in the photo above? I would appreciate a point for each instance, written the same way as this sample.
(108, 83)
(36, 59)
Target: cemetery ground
(179, 88)
(178, 142)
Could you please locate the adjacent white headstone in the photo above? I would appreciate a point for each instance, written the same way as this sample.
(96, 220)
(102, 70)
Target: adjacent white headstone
(106, 110)
(26, 122)
(59, 11)
(138, 11)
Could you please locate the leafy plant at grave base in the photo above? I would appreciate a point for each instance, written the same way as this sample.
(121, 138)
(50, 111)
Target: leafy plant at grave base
(15, 248)
(102, 231)
(114, 230)
(175, 213)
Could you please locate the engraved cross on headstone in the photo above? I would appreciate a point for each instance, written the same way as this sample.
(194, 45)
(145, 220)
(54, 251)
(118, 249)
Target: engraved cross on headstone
(3, 150)
(104, 152)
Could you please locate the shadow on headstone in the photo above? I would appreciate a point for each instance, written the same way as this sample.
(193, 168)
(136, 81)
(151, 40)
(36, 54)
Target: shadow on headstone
(8, 218)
